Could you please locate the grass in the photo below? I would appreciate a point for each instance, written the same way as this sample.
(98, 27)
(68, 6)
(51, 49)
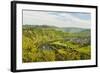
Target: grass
(40, 44)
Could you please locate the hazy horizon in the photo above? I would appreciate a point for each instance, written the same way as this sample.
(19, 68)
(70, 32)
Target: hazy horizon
(55, 26)
(57, 19)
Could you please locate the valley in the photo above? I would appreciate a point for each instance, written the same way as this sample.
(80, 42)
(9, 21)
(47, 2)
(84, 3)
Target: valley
(42, 43)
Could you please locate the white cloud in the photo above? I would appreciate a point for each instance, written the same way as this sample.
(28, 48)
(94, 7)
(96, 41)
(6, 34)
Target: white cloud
(60, 20)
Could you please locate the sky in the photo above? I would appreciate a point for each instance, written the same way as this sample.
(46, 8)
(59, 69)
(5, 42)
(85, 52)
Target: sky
(58, 19)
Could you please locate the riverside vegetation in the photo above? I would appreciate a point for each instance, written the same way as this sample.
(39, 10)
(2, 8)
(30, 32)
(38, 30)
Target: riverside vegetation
(42, 43)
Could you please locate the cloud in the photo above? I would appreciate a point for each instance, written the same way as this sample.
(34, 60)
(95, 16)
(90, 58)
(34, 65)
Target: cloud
(55, 19)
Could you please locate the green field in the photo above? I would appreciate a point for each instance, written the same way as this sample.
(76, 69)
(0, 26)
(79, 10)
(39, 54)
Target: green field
(48, 43)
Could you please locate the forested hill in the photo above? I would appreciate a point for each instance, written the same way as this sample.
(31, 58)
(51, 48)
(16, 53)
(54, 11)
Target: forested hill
(49, 43)
(64, 29)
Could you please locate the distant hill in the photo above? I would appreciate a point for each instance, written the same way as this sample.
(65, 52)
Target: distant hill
(85, 33)
(64, 29)
(73, 29)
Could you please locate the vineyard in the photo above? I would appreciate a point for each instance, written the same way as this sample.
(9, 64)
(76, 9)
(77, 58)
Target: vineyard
(48, 43)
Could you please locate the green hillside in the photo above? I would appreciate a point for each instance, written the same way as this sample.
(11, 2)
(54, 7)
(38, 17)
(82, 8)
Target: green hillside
(48, 43)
